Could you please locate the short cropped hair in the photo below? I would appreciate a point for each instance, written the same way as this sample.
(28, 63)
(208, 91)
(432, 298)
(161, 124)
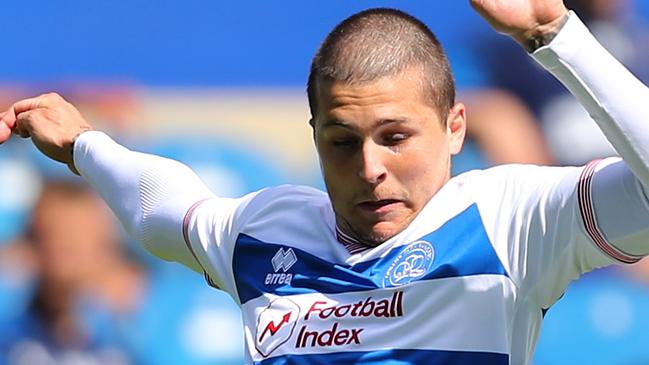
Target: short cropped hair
(382, 42)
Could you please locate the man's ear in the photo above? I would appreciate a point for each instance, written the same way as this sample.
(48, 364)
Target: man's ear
(456, 127)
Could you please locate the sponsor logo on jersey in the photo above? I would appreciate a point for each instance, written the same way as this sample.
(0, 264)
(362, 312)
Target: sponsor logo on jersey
(337, 335)
(275, 325)
(411, 263)
(282, 261)
(324, 323)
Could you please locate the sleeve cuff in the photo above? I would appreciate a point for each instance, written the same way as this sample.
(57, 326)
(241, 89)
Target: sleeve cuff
(82, 145)
(574, 35)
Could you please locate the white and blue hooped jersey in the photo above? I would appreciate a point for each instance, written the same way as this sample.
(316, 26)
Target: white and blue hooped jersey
(467, 282)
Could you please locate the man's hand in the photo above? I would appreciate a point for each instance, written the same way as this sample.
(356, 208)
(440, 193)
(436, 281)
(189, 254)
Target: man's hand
(532, 23)
(50, 121)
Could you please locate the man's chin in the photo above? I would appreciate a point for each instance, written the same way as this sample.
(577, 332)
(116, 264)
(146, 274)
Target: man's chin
(373, 233)
(381, 232)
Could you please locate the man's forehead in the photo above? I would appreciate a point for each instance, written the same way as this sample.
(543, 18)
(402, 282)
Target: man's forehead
(408, 81)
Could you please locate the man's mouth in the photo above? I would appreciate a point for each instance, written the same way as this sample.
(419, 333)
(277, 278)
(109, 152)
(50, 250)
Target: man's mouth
(379, 206)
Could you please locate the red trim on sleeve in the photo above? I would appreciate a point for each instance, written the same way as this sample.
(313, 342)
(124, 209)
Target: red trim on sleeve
(186, 220)
(209, 281)
(188, 216)
(587, 210)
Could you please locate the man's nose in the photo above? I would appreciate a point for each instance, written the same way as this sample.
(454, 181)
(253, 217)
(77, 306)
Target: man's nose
(372, 169)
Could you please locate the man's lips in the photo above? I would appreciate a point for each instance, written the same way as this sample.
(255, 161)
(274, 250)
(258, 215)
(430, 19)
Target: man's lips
(378, 206)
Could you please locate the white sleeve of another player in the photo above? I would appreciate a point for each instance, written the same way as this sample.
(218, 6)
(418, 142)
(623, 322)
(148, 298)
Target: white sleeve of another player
(160, 202)
(617, 101)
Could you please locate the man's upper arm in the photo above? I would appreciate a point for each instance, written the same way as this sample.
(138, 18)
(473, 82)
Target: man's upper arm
(154, 198)
(569, 221)
(210, 228)
(593, 202)
(621, 210)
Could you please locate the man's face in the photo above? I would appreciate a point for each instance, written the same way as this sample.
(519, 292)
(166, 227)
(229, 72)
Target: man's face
(384, 152)
(74, 237)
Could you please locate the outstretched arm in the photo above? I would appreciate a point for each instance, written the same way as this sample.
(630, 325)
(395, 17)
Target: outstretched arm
(614, 98)
(612, 195)
(150, 195)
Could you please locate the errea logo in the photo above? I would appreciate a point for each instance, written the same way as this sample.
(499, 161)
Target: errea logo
(282, 261)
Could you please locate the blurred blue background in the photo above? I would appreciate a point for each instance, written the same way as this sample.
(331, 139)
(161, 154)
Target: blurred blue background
(220, 86)
(188, 43)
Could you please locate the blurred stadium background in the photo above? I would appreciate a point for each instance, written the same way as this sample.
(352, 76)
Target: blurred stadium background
(220, 86)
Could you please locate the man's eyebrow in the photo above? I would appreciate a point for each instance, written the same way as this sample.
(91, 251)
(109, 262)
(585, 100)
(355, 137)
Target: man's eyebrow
(397, 121)
(335, 123)
(378, 123)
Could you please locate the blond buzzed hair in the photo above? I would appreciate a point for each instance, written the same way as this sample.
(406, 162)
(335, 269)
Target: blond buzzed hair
(381, 42)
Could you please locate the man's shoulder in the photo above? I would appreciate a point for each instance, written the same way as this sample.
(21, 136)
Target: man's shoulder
(291, 194)
(503, 189)
(290, 216)
(513, 173)
(287, 202)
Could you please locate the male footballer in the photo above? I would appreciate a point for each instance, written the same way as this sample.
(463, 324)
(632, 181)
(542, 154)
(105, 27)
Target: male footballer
(397, 262)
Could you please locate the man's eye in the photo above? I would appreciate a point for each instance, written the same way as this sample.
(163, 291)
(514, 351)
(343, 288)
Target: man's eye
(395, 138)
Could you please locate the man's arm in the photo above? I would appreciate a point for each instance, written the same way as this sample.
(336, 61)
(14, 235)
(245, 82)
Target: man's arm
(150, 195)
(614, 98)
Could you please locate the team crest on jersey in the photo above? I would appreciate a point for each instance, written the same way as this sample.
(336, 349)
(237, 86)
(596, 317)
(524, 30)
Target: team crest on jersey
(411, 263)
(275, 325)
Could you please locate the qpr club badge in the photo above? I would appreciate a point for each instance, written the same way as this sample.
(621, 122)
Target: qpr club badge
(410, 264)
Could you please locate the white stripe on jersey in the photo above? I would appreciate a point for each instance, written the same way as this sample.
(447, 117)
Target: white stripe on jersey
(431, 318)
